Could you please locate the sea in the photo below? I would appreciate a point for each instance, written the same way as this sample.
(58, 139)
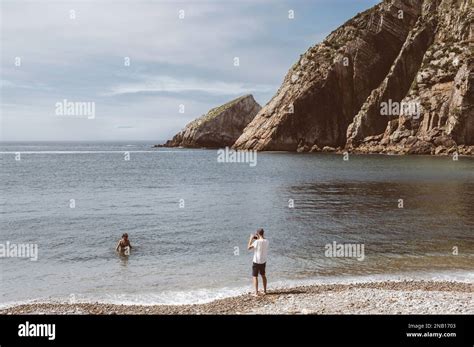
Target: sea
(189, 216)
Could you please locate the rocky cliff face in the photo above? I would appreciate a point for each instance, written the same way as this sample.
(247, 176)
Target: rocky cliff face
(220, 127)
(413, 55)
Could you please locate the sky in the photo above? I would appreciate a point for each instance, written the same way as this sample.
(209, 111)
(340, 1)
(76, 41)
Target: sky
(148, 67)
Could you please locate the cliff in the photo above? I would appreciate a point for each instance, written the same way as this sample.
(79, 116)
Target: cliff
(399, 53)
(220, 127)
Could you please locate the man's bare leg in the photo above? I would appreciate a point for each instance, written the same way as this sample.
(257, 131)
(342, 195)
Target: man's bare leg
(264, 280)
(255, 284)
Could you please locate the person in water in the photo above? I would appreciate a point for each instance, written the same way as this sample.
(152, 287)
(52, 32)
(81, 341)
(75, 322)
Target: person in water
(259, 244)
(123, 242)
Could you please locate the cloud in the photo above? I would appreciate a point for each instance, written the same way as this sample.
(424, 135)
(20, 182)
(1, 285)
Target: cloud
(169, 84)
(148, 31)
(173, 61)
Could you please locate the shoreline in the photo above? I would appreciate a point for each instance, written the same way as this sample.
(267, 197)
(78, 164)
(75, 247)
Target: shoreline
(332, 150)
(376, 297)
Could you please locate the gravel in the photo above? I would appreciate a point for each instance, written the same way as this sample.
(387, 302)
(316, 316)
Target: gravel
(388, 297)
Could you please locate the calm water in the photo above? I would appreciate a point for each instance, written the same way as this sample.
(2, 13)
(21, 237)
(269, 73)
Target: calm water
(199, 252)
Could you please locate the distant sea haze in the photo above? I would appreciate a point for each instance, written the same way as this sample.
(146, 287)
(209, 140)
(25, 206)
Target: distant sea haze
(189, 217)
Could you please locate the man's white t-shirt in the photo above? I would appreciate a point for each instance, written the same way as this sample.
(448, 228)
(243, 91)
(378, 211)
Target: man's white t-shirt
(260, 251)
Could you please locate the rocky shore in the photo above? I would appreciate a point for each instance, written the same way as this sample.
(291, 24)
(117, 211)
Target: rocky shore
(395, 79)
(219, 127)
(371, 146)
(387, 297)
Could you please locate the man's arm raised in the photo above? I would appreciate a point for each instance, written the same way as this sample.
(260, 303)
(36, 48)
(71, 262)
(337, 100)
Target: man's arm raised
(250, 245)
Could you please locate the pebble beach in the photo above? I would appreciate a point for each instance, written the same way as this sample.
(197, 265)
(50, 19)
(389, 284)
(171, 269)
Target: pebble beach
(385, 297)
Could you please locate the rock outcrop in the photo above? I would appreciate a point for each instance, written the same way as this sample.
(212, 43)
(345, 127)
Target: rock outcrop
(220, 127)
(415, 55)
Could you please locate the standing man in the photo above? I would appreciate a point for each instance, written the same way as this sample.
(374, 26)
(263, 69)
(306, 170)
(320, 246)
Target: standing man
(259, 244)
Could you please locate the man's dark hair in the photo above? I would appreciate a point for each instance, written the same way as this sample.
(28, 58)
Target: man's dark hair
(124, 235)
(260, 231)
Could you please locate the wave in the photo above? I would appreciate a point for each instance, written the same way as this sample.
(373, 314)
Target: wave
(202, 296)
(90, 152)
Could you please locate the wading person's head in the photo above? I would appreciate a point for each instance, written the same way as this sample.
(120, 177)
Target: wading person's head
(125, 236)
(260, 233)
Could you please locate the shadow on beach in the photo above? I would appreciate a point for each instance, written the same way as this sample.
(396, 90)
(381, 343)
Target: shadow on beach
(285, 292)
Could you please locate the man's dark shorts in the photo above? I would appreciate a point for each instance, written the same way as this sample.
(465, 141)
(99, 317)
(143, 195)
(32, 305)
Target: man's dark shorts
(258, 268)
